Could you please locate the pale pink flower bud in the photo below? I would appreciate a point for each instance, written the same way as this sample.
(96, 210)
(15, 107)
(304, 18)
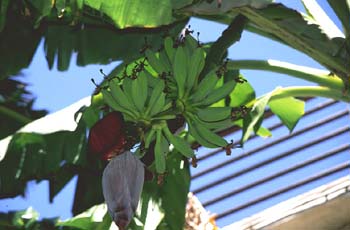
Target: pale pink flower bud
(122, 184)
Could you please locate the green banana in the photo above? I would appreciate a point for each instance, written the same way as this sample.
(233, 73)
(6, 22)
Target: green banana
(163, 58)
(156, 92)
(180, 70)
(139, 92)
(164, 117)
(213, 114)
(218, 125)
(154, 61)
(149, 137)
(120, 97)
(167, 106)
(127, 90)
(206, 85)
(169, 49)
(218, 94)
(158, 105)
(195, 66)
(209, 135)
(179, 144)
(190, 43)
(197, 135)
(110, 101)
(159, 153)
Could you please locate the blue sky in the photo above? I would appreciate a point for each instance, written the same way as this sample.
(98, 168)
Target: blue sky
(55, 90)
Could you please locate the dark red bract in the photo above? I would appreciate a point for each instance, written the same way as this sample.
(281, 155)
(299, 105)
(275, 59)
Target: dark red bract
(107, 136)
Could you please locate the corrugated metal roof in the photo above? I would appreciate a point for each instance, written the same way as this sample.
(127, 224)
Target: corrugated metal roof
(268, 171)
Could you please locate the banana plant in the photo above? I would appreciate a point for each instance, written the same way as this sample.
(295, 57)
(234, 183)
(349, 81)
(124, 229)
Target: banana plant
(169, 80)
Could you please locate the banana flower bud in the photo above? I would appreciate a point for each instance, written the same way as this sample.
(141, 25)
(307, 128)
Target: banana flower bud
(122, 183)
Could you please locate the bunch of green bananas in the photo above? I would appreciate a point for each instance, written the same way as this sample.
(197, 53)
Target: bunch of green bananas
(168, 85)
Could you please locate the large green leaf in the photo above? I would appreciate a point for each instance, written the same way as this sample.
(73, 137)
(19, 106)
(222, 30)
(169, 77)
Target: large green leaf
(39, 149)
(18, 42)
(211, 7)
(321, 18)
(97, 45)
(302, 34)
(69, 28)
(34, 156)
(286, 25)
(147, 13)
(288, 109)
(342, 9)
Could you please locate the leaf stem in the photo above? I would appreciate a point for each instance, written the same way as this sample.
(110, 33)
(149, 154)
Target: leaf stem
(310, 91)
(15, 115)
(318, 76)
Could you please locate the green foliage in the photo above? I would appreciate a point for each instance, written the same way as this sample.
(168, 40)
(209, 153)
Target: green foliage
(342, 9)
(18, 42)
(298, 32)
(95, 217)
(183, 79)
(35, 156)
(288, 109)
(149, 13)
(253, 121)
(26, 219)
(157, 206)
(69, 27)
(15, 106)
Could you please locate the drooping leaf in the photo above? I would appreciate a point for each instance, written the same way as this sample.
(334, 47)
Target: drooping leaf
(96, 45)
(39, 150)
(253, 120)
(63, 120)
(288, 109)
(342, 9)
(18, 42)
(33, 156)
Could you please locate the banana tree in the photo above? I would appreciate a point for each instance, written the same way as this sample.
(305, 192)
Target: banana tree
(171, 93)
